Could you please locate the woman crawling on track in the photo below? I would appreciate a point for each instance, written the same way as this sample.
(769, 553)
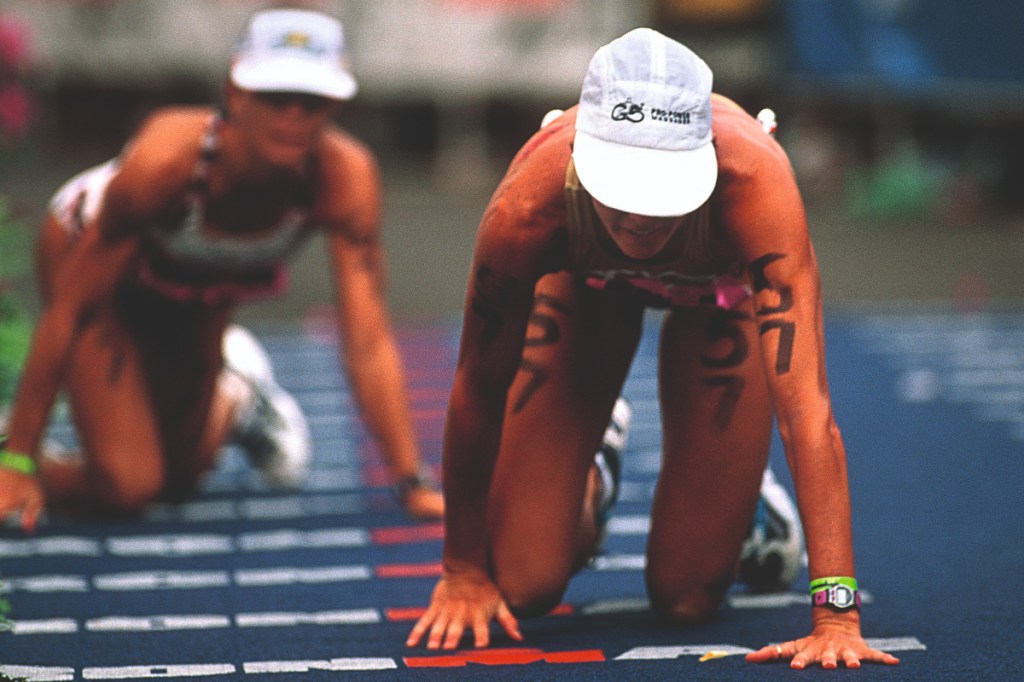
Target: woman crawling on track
(652, 192)
(142, 261)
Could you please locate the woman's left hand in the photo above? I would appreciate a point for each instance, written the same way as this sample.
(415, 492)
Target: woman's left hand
(829, 644)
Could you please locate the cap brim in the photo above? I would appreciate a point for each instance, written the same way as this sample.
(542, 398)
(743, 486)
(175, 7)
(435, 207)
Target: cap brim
(290, 74)
(645, 181)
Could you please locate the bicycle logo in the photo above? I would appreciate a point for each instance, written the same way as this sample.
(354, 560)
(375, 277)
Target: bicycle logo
(628, 111)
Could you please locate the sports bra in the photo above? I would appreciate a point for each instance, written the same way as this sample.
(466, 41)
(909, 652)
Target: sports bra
(184, 262)
(188, 242)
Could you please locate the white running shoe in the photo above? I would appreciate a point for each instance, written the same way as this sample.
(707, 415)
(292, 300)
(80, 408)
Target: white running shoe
(269, 426)
(773, 552)
(608, 461)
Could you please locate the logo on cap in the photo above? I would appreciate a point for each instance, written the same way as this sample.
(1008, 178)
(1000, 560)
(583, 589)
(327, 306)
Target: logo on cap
(678, 117)
(299, 40)
(628, 111)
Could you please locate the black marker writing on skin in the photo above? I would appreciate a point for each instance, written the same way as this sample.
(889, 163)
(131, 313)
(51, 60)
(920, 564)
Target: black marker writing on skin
(785, 327)
(491, 293)
(543, 330)
(545, 322)
(726, 326)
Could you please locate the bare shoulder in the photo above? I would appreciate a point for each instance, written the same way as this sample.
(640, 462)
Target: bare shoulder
(743, 146)
(158, 161)
(526, 213)
(348, 185)
(342, 155)
(757, 199)
(168, 136)
(537, 171)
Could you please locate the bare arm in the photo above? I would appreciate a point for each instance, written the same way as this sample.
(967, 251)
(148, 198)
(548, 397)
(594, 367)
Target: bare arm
(494, 326)
(82, 284)
(370, 352)
(497, 309)
(84, 281)
(764, 215)
(516, 244)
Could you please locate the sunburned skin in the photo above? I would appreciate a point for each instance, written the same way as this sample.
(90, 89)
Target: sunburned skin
(555, 312)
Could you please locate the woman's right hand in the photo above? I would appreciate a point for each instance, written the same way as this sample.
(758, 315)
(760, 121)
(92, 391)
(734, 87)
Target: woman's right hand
(461, 600)
(21, 494)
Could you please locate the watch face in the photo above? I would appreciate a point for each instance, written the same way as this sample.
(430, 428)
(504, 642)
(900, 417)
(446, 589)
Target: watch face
(842, 596)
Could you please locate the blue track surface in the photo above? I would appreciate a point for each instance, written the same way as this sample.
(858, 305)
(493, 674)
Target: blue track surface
(245, 583)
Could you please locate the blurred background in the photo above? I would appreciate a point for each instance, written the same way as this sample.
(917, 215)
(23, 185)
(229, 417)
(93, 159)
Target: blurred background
(904, 120)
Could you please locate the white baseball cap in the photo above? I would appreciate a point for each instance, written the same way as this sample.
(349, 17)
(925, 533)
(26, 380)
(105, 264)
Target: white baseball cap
(293, 50)
(643, 129)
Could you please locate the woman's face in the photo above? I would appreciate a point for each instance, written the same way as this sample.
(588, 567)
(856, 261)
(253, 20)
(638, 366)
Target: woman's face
(637, 236)
(281, 127)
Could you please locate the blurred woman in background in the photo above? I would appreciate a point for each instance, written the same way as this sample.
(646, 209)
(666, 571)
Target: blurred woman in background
(142, 261)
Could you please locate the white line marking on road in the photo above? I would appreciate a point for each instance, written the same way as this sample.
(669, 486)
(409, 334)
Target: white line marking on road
(46, 583)
(334, 665)
(161, 580)
(178, 545)
(157, 623)
(149, 672)
(342, 617)
(143, 581)
(49, 626)
(661, 653)
(266, 577)
(37, 673)
(280, 540)
(64, 545)
(619, 562)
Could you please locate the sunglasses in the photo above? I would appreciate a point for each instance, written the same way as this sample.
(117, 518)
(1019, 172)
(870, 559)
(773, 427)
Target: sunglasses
(310, 104)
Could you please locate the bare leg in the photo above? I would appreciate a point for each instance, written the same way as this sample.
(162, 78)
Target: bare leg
(141, 383)
(578, 351)
(717, 425)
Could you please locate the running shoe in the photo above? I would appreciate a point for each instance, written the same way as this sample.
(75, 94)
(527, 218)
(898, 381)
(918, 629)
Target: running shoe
(608, 461)
(269, 426)
(773, 552)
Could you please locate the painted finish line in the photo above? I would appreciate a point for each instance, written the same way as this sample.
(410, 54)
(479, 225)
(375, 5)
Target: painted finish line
(492, 657)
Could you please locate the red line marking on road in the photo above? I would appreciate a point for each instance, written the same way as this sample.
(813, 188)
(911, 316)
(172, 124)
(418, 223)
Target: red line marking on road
(397, 614)
(409, 570)
(505, 657)
(403, 535)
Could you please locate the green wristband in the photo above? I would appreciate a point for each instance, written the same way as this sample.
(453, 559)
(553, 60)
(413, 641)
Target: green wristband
(820, 584)
(17, 461)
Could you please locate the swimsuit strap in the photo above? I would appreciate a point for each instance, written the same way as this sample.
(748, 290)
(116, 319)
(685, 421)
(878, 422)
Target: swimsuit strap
(199, 185)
